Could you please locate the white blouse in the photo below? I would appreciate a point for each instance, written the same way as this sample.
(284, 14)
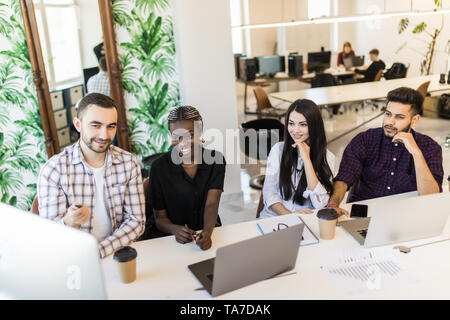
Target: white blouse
(315, 199)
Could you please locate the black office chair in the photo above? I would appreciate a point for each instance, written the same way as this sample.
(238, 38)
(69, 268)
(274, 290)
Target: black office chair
(147, 163)
(326, 80)
(323, 80)
(267, 133)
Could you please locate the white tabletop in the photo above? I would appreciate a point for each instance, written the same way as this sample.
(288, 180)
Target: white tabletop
(162, 271)
(359, 91)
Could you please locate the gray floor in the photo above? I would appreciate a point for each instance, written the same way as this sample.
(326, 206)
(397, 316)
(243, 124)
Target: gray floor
(239, 211)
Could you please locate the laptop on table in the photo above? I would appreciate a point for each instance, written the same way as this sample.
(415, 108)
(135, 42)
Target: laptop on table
(246, 262)
(401, 220)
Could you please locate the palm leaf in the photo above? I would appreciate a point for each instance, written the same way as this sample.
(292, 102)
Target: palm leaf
(151, 5)
(420, 28)
(402, 25)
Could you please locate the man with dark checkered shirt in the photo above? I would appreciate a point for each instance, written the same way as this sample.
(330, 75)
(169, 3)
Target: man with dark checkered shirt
(92, 185)
(392, 159)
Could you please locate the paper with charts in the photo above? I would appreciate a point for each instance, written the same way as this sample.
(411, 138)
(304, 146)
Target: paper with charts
(359, 271)
(268, 226)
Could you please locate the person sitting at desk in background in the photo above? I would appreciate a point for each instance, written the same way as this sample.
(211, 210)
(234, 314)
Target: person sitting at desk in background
(392, 159)
(186, 183)
(347, 52)
(371, 72)
(92, 185)
(99, 82)
(300, 169)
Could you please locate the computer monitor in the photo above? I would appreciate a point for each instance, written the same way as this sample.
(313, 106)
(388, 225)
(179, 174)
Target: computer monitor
(270, 65)
(42, 259)
(87, 73)
(357, 61)
(318, 61)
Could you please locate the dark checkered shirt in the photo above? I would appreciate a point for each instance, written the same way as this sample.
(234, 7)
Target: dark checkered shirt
(66, 178)
(384, 167)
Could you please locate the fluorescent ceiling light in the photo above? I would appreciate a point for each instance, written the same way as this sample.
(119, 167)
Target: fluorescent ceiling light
(365, 17)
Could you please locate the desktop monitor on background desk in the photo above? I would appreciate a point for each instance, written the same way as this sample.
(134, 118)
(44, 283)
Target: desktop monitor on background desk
(319, 61)
(270, 65)
(357, 61)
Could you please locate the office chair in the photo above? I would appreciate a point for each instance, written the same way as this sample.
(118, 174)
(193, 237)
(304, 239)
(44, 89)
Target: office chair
(147, 163)
(265, 108)
(35, 206)
(423, 88)
(326, 80)
(265, 135)
(260, 206)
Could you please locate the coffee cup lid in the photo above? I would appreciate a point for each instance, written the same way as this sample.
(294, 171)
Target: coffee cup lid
(125, 254)
(327, 214)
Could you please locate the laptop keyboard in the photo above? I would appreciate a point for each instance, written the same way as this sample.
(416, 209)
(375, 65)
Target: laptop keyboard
(363, 232)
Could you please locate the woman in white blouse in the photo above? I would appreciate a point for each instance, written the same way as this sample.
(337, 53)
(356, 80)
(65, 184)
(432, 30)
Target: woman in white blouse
(299, 170)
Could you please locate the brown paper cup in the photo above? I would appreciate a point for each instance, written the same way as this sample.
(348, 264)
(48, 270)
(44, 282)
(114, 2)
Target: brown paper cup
(127, 271)
(126, 264)
(327, 229)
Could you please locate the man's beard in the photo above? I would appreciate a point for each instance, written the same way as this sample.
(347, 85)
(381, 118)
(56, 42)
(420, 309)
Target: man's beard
(395, 130)
(90, 144)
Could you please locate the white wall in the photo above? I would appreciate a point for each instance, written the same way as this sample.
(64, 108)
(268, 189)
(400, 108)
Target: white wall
(205, 64)
(383, 35)
(363, 36)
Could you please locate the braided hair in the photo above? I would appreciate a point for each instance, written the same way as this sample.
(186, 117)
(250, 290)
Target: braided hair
(185, 113)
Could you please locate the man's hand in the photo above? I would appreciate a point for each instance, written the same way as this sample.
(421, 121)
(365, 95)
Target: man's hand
(408, 140)
(339, 211)
(203, 239)
(77, 215)
(182, 234)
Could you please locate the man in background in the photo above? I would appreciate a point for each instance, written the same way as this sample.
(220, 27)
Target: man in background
(99, 83)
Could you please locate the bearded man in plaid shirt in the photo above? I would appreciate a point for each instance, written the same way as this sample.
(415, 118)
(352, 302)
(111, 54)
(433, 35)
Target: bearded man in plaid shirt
(92, 185)
(391, 159)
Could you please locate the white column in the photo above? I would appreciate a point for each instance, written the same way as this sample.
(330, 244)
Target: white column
(205, 64)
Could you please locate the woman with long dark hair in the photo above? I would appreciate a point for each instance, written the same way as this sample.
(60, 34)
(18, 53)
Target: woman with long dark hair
(300, 169)
(346, 52)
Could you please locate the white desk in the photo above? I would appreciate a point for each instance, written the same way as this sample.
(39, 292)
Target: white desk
(358, 91)
(162, 271)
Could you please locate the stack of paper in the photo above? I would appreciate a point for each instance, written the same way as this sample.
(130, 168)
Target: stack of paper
(357, 271)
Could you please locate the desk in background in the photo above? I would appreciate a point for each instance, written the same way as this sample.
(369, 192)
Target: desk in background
(358, 92)
(306, 77)
(162, 271)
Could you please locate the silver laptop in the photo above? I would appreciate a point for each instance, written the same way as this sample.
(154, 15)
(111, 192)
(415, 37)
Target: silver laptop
(246, 262)
(40, 259)
(401, 220)
(348, 63)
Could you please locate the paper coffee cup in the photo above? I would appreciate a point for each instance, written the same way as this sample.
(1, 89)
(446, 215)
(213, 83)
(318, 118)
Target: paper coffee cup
(327, 223)
(126, 264)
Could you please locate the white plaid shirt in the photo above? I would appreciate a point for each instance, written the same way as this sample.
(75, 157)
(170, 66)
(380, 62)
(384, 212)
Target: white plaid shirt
(99, 83)
(66, 178)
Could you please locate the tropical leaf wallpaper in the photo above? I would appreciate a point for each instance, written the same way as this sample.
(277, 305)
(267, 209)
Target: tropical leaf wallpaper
(146, 46)
(22, 149)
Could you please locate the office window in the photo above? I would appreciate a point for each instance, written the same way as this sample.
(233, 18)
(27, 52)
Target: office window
(236, 20)
(58, 25)
(318, 8)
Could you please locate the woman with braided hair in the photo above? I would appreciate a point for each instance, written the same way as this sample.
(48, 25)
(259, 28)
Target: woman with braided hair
(186, 183)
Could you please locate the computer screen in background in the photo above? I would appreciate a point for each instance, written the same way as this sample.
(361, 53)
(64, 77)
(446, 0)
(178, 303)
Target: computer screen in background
(270, 65)
(318, 61)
